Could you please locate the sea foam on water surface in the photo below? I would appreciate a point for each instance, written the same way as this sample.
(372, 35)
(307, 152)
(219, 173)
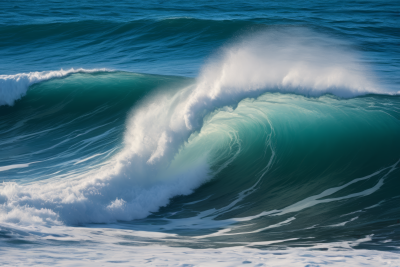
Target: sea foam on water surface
(156, 255)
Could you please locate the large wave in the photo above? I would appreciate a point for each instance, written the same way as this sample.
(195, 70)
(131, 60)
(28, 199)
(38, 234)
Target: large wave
(176, 140)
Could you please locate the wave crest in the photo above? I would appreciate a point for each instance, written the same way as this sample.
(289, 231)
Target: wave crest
(288, 61)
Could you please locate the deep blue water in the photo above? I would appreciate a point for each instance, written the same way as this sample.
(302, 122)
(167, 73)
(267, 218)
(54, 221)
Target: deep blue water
(199, 125)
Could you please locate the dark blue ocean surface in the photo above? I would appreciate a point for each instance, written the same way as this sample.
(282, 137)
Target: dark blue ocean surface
(195, 133)
(176, 37)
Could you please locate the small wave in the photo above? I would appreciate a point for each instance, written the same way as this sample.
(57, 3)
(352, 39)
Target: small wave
(13, 87)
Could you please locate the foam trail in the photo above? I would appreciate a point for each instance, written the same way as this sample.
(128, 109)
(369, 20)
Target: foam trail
(13, 87)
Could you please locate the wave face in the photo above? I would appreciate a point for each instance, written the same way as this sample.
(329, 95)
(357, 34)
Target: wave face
(285, 143)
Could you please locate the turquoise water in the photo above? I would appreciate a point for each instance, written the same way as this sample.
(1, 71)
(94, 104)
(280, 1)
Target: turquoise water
(216, 126)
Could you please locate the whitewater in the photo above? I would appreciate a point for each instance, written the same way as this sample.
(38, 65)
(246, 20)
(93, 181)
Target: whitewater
(281, 150)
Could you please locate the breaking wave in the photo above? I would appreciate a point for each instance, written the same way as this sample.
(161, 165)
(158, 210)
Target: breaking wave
(271, 132)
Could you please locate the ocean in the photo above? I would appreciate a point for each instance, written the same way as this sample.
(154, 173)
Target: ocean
(212, 133)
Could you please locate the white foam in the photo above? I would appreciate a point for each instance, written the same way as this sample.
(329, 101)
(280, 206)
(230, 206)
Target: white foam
(145, 255)
(108, 246)
(13, 87)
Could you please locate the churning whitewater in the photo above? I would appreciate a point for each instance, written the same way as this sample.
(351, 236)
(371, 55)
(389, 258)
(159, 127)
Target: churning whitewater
(285, 143)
